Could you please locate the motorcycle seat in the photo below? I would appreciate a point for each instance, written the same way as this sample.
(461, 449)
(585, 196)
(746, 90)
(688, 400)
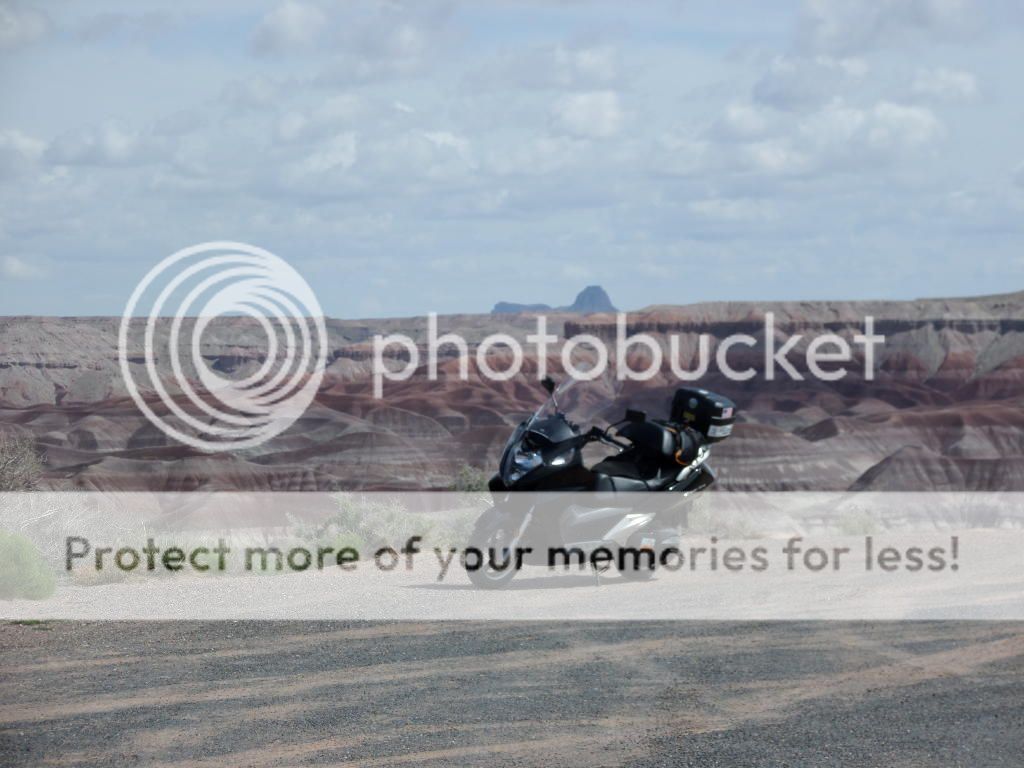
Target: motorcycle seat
(625, 465)
(629, 471)
(620, 484)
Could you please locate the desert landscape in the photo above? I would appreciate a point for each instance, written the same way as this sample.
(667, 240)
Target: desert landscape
(943, 411)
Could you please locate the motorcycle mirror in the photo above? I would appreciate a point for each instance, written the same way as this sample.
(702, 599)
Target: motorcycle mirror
(548, 383)
(635, 416)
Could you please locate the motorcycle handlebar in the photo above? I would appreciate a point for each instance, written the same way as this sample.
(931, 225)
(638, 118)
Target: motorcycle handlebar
(596, 433)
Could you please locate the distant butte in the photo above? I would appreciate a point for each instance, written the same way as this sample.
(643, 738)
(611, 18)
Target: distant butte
(590, 300)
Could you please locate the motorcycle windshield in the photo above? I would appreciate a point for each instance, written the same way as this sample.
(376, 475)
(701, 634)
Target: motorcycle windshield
(583, 402)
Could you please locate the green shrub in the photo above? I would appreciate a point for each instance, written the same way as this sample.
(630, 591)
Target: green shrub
(24, 572)
(469, 480)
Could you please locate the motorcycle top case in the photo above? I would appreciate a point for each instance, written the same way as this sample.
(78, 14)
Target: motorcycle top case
(710, 414)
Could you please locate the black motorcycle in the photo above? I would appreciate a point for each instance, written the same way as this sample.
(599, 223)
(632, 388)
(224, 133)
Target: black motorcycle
(574, 515)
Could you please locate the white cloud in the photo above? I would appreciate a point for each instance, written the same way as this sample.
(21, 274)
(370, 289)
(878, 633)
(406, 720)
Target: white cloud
(535, 157)
(380, 41)
(338, 154)
(840, 136)
(837, 125)
(180, 123)
(323, 119)
(945, 83)
(585, 139)
(796, 82)
(776, 156)
(290, 126)
(16, 268)
(291, 26)
(741, 121)
(896, 126)
(133, 27)
(22, 25)
(843, 27)
(18, 152)
(255, 93)
(596, 115)
(447, 140)
(555, 67)
(108, 144)
(733, 209)
(678, 154)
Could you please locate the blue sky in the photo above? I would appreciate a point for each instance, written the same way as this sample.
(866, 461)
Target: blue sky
(441, 156)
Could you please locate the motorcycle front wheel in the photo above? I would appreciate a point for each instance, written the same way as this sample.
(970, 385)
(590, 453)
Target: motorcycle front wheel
(490, 549)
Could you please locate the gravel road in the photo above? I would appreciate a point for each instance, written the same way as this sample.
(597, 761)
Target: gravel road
(524, 694)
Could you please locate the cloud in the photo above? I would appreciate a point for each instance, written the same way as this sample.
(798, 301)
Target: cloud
(16, 268)
(842, 137)
(741, 121)
(395, 42)
(337, 155)
(291, 26)
(18, 152)
(323, 119)
(22, 25)
(733, 209)
(844, 27)
(797, 82)
(255, 93)
(108, 144)
(131, 27)
(594, 115)
(413, 130)
(896, 126)
(535, 157)
(359, 42)
(944, 83)
(555, 66)
(776, 157)
(447, 140)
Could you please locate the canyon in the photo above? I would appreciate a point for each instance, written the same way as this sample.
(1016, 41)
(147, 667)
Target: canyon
(940, 407)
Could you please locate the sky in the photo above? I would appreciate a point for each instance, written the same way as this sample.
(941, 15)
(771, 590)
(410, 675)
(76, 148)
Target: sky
(442, 156)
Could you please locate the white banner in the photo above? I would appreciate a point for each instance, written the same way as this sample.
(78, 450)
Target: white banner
(397, 556)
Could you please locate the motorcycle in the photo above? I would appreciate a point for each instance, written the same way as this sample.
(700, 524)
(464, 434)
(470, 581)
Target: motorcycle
(550, 509)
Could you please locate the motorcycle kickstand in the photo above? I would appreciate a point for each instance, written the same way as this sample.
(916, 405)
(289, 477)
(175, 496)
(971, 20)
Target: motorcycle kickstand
(597, 573)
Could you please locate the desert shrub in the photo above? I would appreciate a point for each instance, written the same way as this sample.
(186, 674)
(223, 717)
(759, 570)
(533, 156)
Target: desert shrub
(704, 519)
(24, 572)
(858, 522)
(469, 479)
(346, 540)
(454, 528)
(368, 523)
(21, 466)
(365, 523)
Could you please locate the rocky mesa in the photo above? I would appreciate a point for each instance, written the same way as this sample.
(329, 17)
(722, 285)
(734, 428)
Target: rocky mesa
(941, 409)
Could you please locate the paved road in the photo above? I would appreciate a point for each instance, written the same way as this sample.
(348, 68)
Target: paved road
(422, 694)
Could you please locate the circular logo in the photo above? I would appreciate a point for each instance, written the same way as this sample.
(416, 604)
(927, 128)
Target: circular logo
(264, 331)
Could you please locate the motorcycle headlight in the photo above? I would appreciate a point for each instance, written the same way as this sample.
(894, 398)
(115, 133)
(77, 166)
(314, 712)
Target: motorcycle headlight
(523, 461)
